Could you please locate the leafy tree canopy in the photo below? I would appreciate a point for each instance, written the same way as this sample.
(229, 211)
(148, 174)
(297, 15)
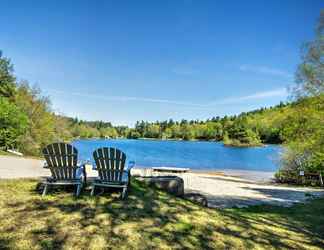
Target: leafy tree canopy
(7, 79)
(13, 124)
(310, 73)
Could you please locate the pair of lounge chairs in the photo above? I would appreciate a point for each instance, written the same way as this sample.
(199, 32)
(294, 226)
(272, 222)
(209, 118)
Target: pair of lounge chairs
(62, 161)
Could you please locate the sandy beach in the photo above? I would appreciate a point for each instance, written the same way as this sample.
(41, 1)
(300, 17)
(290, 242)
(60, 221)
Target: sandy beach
(256, 176)
(222, 189)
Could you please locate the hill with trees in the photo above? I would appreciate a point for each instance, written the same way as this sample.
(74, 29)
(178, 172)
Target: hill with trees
(246, 129)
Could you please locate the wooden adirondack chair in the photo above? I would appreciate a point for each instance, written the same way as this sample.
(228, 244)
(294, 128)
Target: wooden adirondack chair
(62, 161)
(110, 164)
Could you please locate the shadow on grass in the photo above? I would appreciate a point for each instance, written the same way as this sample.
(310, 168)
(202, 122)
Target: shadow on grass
(302, 219)
(285, 194)
(231, 180)
(149, 218)
(49, 237)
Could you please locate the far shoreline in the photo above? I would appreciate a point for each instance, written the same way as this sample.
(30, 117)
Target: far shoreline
(182, 140)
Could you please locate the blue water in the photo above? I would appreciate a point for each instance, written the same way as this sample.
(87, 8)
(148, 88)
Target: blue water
(196, 155)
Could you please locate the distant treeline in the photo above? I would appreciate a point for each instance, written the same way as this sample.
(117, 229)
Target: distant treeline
(263, 125)
(248, 128)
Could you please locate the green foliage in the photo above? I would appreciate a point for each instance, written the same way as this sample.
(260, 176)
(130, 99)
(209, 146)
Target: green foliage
(85, 131)
(62, 129)
(310, 73)
(133, 135)
(304, 130)
(108, 133)
(304, 134)
(240, 134)
(41, 121)
(247, 129)
(13, 124)
(152, 131)
(91, 129)
(7, 79)
(122, 131)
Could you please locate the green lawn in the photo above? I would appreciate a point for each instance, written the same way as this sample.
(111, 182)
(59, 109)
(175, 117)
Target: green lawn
(148, 219)
(5, 153)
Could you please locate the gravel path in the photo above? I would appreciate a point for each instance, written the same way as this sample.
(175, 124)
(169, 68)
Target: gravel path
(19, 167)
(220, 191)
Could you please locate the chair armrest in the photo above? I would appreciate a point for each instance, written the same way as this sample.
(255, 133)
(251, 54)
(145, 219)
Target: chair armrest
(131, 164)
(82, 163)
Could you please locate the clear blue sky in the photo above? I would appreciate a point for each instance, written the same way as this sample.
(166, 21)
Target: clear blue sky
(123, 61)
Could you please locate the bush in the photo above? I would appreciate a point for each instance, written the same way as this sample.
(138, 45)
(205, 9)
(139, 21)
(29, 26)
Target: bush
(13, 124)
(241, 135)
(133, 135)
(304, 133)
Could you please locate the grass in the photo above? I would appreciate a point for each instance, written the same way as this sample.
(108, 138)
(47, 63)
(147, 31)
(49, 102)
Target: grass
(5, 153)
(148, 219)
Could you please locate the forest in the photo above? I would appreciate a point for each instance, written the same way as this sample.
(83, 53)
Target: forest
(28, 123)
(246, 129)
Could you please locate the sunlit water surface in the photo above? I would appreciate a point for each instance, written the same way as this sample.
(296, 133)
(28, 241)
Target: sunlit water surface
(197, 155)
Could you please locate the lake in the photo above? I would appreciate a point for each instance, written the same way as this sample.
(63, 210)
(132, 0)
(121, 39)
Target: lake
(197, 155)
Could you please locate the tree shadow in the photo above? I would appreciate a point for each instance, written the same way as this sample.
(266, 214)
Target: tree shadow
(49, 237)
(264, 195)
(300, 219)
(286, 194)
(5, 244)
(231, 180)
(154, 217)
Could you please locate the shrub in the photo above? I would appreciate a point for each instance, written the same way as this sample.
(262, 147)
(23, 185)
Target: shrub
(13, 124)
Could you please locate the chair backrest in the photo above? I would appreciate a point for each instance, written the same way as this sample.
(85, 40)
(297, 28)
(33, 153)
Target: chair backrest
(62, 160)
(110, 164)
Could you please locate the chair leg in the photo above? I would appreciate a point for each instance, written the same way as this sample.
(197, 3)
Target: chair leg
(45, 190)
(124, 192)
(85, 176)
(92, 190)
(78, 190)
